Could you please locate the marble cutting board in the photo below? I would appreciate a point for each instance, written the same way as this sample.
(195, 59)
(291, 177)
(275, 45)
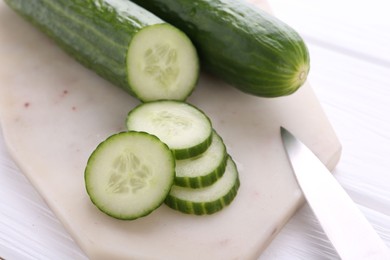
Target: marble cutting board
(54, 112)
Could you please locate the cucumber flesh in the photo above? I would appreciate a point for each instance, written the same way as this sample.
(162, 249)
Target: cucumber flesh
(184, 128)
(206, 200)
(205, 169)
(129, 175)
(162, 64)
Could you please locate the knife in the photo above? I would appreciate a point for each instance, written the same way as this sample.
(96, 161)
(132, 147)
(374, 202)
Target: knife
(346, 227)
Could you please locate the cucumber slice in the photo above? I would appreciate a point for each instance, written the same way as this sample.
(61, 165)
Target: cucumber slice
(122, 42)
(129, 175)
(184, 128)
(205, 169)
(206, 200)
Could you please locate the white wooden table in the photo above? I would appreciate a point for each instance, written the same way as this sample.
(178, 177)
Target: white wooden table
(349, 42)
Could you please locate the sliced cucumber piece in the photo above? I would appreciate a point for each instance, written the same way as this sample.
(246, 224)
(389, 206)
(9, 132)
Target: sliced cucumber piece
(205, 169)
(206, 200)
(184, 128)
(129, 174)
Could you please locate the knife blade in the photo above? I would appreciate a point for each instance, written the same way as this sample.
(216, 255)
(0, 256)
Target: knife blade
(346, 227)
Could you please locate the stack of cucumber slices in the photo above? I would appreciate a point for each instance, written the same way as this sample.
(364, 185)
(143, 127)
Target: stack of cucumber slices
(171, 154)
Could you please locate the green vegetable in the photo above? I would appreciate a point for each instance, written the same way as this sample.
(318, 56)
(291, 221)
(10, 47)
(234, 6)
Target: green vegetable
(132, 173)
(206, 178)
(121, 42)
(205, 169)
(207, 200)
(184, 128)
(129, 174)
(252, 50)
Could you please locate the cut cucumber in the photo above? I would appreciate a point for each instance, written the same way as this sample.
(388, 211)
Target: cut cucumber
(121, 42)
(129, 174)
(205, 169)
(249, 48)
(162, 64)
(184, 128)
(206, 200)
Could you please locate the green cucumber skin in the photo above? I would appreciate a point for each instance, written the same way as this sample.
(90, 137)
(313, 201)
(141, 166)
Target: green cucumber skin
(245, 46)
(181, 154)
(207, 207)
(202, 208)
(202, 181)
(93, 32)
(205, 180)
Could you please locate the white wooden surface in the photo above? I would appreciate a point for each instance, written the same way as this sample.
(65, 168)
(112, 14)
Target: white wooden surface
(349, 44)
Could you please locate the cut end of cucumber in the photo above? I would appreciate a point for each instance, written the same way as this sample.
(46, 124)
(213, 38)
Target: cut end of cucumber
(162, 64)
